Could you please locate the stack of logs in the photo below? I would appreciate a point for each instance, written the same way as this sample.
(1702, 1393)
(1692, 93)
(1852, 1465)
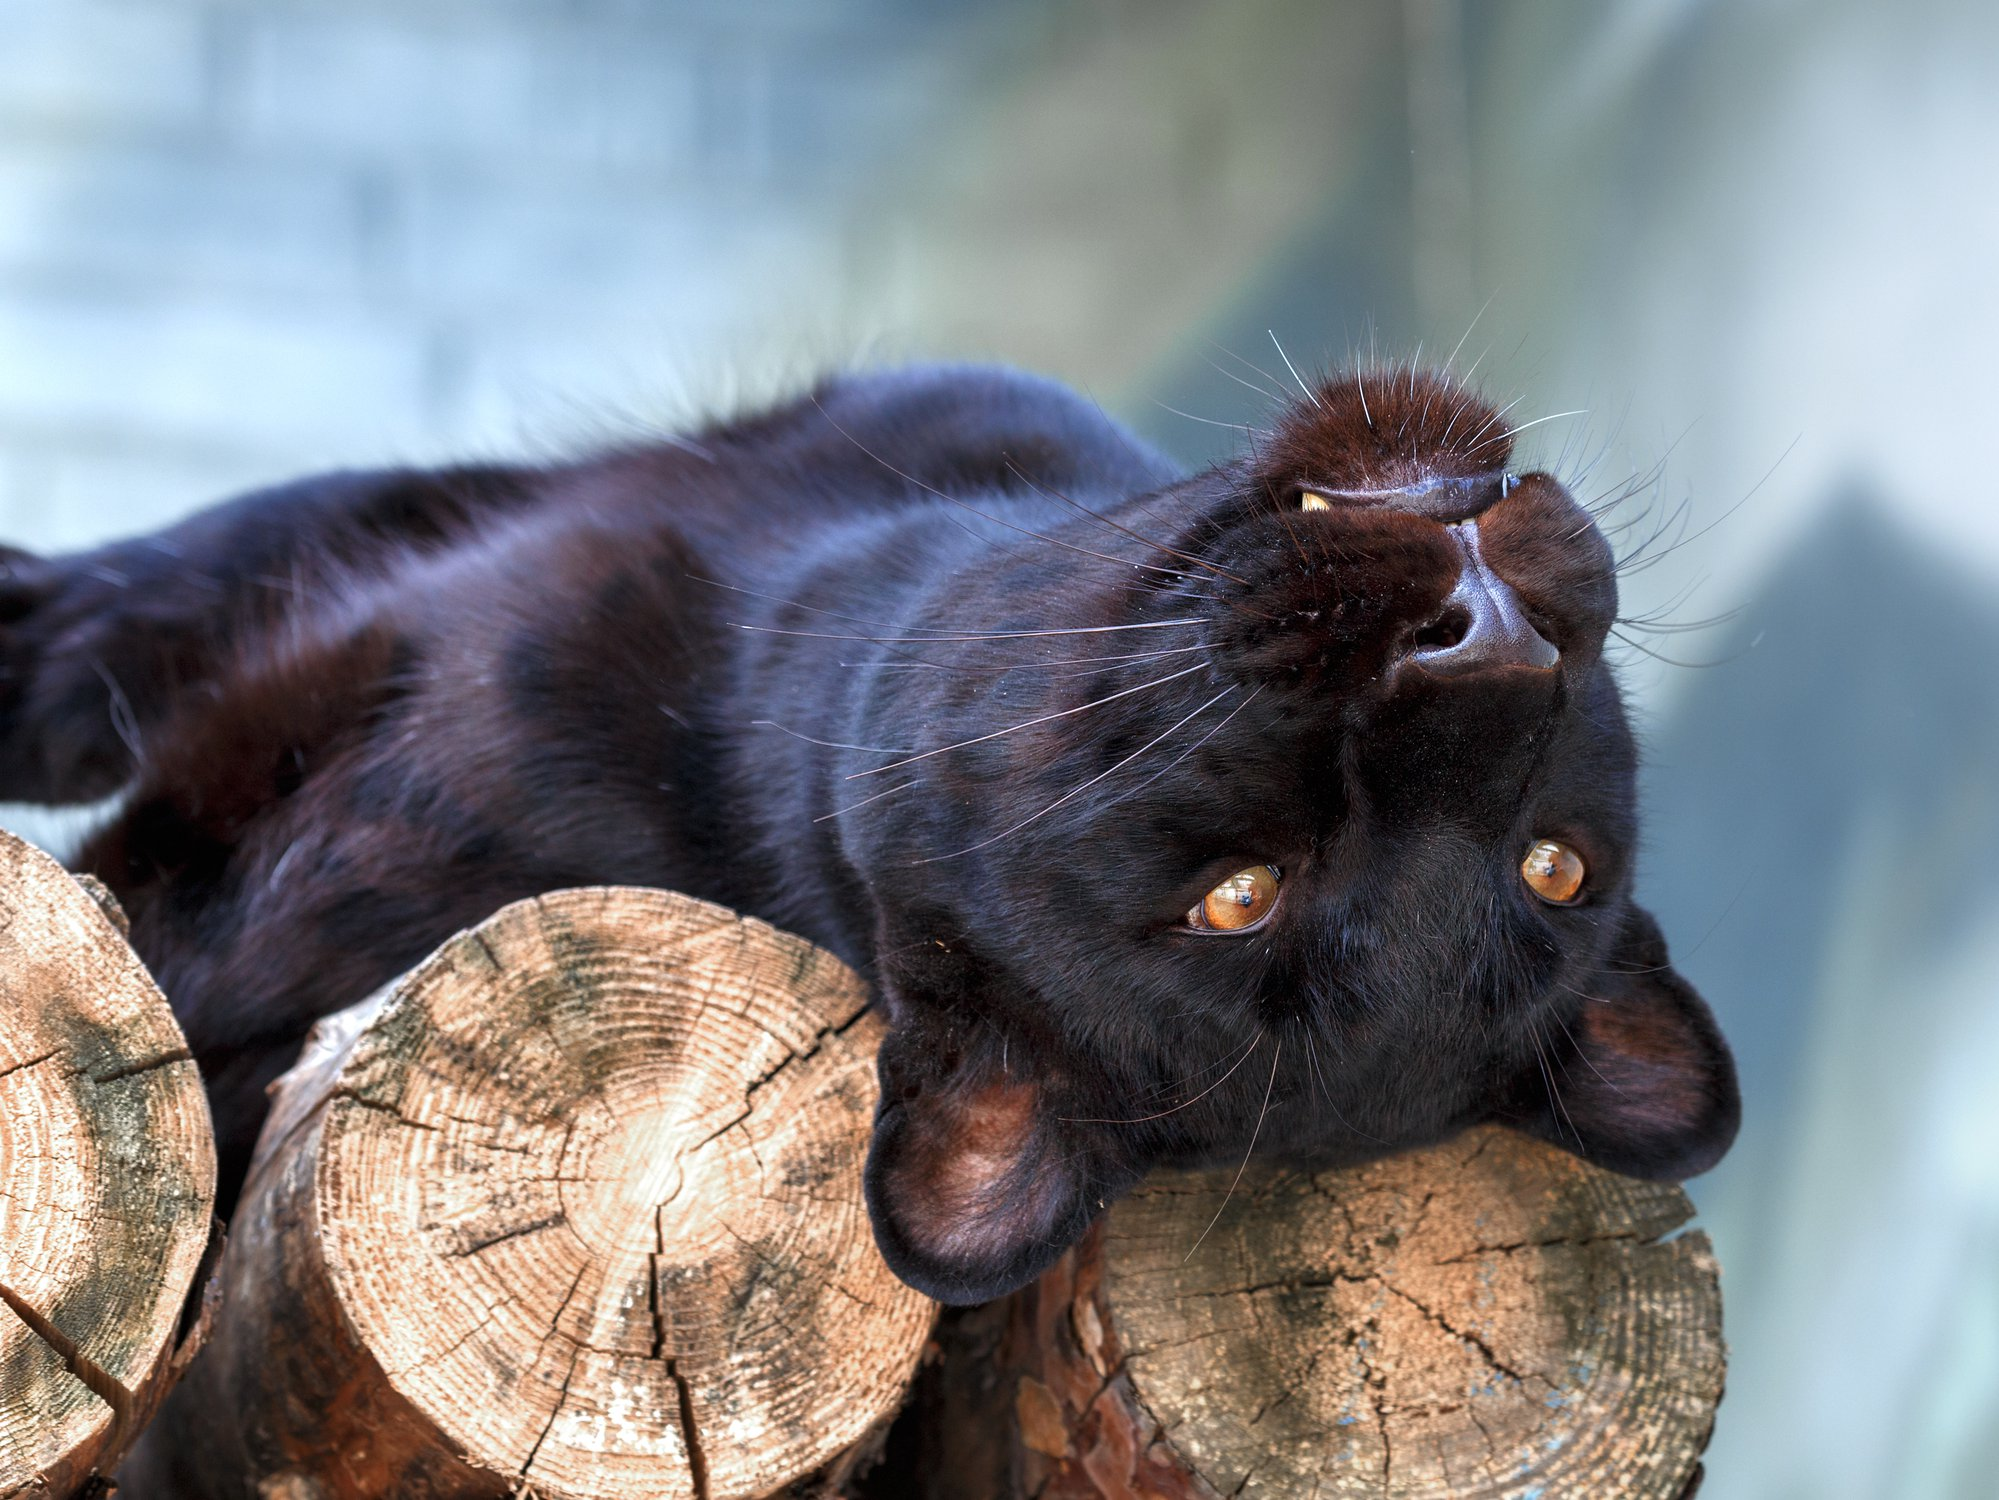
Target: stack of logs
(573, 1210)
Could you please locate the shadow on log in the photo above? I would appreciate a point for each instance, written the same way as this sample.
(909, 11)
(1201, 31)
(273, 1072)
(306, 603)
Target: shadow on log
(107, 1181)
(1487, 1318)
(572, 1210)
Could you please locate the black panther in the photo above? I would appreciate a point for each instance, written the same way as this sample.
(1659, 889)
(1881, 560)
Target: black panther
(1285, 807)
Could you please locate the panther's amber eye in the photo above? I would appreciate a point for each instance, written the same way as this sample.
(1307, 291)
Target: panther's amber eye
(1313, 500)
(1554, 872)
(1238, 903)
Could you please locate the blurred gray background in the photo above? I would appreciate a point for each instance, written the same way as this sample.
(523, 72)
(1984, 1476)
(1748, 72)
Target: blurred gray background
(1750, 249)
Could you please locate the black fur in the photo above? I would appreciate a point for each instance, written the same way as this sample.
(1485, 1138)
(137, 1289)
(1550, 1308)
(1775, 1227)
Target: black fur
(360, 712)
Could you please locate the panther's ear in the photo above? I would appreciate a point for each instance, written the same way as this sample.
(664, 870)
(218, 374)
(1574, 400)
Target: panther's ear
(1644, 1083)
(974, 1186)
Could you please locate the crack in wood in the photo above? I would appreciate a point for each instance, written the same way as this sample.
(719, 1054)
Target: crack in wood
(555, 1412)
(697, 1460)
(1303, 1381)
(535, 1227)
(101, 1382)
(1464, 1335)
(479, 941)
(652, 1282)
(134, 1069)
(1561, 1242)
(1293, 1284)
(575, 1358)
(1247, 1474)
(485, 1321)
(810, 1050)
(354, 1096)
(1493, 1468)
(32, 1062)
(1376, 1385)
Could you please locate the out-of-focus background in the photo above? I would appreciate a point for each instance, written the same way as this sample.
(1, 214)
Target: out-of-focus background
(1753, 244)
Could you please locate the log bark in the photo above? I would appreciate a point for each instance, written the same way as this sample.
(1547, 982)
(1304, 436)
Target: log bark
(1486, 1318)
(572, 1210)
(107, 1182)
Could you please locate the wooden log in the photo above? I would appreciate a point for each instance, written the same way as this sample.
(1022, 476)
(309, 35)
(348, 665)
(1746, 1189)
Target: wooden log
(572, 1210)
(107, 1182)
(1486, 1318)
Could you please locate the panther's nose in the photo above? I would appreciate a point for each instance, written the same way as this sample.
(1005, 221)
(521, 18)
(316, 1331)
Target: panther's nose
(1482, 625)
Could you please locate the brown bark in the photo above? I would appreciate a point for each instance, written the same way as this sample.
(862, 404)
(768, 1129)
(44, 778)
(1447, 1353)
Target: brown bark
(573, 1209)
(1487, 1318)
(107, 1182)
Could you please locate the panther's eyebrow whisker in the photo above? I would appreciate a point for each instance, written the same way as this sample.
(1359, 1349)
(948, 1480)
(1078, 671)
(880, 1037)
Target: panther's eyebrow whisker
(1514, 432)
(1273, 392)
(1199, 666)
(1459, 348)
(1208, 421)
(1497, 416)
(1304, 389)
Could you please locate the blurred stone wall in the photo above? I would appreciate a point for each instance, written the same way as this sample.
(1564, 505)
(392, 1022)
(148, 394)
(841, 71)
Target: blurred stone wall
(238, 240)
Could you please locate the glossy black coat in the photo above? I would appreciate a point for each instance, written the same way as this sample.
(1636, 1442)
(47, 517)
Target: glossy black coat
(945, 671)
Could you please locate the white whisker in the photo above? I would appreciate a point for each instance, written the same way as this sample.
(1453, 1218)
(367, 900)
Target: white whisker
(1260, 1115)
(1247, 1052)
(1127, 796)
(1303, 389)
(1072, 795)
(1514, 432)
(829, 744)
(1029, 724)
(838, 812)
(936, 640)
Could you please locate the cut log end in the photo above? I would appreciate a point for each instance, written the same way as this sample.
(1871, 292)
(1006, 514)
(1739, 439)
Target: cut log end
(1487, 1318)
(107, 1181)
(573, 1209)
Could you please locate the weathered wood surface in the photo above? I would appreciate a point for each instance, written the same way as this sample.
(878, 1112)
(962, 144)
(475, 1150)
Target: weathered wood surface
(574, 1209)
(107, 1181)
(1488, 1318)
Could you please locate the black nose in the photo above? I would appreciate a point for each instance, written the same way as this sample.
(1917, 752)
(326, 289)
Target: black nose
(1481, 625)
